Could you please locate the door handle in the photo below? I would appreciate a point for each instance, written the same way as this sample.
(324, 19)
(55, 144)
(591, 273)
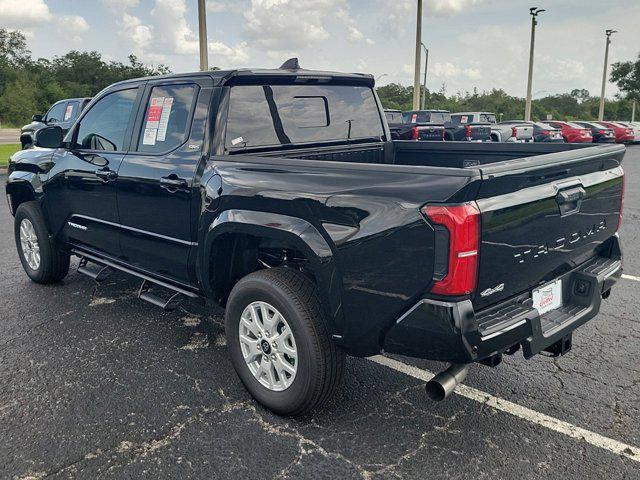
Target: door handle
(106, 174)
(173, 183)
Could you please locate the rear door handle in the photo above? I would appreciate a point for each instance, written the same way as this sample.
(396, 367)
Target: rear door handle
(173, 183)
(106, 174)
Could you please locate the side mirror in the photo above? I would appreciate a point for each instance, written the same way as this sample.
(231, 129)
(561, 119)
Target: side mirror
(49, 137)
(37, 118)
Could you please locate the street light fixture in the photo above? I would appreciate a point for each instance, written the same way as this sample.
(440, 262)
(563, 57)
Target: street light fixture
(424, 83)
(534, 12)
(380, 76)
(608, 33)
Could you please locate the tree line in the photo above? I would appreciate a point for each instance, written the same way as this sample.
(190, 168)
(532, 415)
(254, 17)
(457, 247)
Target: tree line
(29, 86)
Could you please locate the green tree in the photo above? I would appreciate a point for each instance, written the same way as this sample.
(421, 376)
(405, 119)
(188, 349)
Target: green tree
(627, 76)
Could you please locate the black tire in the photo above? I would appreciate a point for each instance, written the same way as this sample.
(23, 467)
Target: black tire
(320, 361)
(54, 261)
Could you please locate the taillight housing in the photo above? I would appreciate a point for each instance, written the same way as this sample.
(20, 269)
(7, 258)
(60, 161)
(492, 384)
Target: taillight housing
(514, 132)
(460, 225)
(621, 202)
(415, 134)
(468, 131)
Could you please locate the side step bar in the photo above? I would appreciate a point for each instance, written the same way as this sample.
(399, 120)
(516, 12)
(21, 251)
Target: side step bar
(98, 275)
(106, 267)
(168, 305)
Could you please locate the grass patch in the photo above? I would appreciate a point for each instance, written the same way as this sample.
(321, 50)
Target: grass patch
(6, 151)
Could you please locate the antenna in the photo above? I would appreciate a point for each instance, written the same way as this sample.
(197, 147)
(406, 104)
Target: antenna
(291, 64)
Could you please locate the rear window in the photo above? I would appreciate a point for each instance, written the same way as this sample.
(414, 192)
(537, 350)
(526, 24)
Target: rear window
(544, 126)
(575, 125)
(270, 115)
(393, 117)
(488, 118)
(427, 117)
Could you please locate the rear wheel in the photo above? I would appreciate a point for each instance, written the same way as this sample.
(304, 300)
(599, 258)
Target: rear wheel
(41, 258)
(279, 341)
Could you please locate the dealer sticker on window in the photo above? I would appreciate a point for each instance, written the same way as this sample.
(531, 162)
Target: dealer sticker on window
(548, 298)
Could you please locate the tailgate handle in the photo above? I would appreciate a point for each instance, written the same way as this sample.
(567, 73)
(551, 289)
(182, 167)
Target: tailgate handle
(569, 200)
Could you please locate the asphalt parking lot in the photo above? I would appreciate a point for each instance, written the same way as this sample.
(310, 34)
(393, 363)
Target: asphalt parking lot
(96, 384)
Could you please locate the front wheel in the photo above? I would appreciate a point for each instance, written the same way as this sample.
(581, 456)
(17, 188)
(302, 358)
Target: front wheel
(279, 342)
(41, 258)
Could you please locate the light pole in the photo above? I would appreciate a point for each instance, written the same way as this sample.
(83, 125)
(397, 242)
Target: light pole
(202, 32)
(380, 76)
(424, 83)
(533, 11)
(416, 73)
(608, 33)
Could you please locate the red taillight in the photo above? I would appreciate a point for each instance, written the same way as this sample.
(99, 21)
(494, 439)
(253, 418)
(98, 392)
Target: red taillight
(443, 134)
(468, 130)
(414, 134)
(514, 132)
(546, 132)
(602, 132)
(621, 202)
(463, 225)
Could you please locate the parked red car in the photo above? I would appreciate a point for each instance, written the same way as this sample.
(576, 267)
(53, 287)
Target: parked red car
(623, 134)
(572, 132)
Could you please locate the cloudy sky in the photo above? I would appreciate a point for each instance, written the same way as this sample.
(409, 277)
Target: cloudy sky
(473, 43)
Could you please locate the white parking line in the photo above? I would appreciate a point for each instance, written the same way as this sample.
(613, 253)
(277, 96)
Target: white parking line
(631, 277)
(519, 411)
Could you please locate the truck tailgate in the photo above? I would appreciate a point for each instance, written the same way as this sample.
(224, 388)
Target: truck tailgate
(524, 132)
(543, 215)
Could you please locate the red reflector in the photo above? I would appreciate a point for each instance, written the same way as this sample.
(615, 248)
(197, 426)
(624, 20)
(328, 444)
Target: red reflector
(468, 129)
(415, 135)
(621, 202)
(463, 224)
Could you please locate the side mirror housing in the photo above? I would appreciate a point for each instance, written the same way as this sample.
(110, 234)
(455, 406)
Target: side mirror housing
(37, 118)
(49, 137)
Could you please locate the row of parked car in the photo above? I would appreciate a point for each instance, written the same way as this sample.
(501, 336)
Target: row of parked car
(442, 125)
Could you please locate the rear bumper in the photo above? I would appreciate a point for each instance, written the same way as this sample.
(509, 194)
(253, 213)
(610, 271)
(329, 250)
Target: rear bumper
(454, 332)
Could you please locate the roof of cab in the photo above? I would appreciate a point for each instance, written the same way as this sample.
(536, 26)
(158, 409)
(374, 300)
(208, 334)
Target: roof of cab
(290, 71)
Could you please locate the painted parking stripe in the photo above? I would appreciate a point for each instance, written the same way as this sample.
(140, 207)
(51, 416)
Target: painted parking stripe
(519, 411)
(631, 277)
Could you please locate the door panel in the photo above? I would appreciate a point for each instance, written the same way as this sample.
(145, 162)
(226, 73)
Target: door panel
(81, 191)
(156, 187)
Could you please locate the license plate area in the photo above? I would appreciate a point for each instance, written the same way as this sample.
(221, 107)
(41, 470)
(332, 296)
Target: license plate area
(547, 297)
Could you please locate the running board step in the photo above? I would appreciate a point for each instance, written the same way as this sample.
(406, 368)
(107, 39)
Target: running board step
(168, 305)
(99, 275)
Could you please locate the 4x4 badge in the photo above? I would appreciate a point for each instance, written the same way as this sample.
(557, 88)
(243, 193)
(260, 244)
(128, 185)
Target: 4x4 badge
(491, 291)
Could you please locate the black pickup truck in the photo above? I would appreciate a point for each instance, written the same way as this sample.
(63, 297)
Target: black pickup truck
(412, 131)
(454, 130)
(279, 195)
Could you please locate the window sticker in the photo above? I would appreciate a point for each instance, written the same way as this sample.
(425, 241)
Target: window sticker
(68, 112)
(464, 119)
(164, 118)
(236, 141)
(414, 118)
(154, 114)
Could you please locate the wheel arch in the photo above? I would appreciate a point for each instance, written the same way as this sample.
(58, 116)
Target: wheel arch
(19, 192)
(234, 242)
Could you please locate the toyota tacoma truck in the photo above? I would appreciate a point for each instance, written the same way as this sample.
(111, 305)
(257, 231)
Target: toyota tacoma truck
(499, 132)
(278, 195)
(408, 131)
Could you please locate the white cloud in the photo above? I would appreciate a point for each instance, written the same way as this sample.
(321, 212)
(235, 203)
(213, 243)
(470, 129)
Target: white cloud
(23, 13)
(173, 33)
(222, 55)
(133, 29)
(120, 4)
(72, 24)
(443, 8)
(451, 70)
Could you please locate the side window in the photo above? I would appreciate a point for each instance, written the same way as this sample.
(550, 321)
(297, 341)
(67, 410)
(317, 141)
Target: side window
(166, 119)
(104, 126)
(56, 113)
(71, 112)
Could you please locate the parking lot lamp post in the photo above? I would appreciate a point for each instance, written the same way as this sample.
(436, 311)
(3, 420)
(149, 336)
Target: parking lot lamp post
(533, 11)
(202, 29)
(633, 110)
(416, 73)
(604, 72)
(424, 83)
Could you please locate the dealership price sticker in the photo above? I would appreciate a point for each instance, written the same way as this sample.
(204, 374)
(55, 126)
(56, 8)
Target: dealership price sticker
(167, 104)
(68, 112)
(154, 114)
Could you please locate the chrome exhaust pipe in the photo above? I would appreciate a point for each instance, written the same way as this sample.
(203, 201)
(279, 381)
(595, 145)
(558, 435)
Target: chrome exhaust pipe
(444, 383)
